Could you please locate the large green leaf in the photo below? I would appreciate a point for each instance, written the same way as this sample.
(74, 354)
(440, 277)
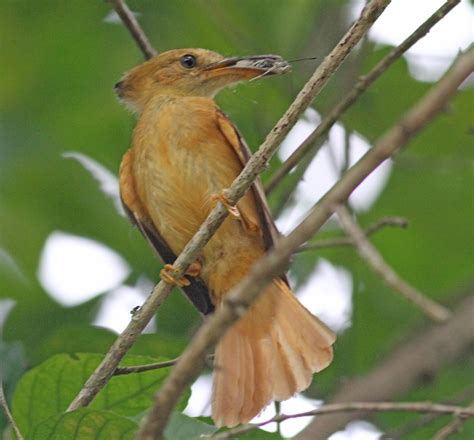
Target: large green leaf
(85, 424)
(49, 388)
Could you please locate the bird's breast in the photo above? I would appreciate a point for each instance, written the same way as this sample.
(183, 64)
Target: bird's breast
(181, 160)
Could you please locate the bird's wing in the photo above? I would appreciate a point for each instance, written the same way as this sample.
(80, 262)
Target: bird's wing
(197, 291)
(237, 142)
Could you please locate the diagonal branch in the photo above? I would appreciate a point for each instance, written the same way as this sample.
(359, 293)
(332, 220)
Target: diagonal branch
(131, 23)
(372, 256)
(331, 408)
(320, 244)
(239, 299)
(239, 187)
(360, 87)
(287, 192)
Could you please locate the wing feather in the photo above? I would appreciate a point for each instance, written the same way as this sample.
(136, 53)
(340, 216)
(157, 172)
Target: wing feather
(237, 142)
(197, 292)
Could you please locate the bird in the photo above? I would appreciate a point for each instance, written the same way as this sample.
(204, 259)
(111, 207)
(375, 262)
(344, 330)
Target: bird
(185, 152)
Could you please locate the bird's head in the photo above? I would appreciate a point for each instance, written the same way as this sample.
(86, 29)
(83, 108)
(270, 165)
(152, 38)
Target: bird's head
(192, 72)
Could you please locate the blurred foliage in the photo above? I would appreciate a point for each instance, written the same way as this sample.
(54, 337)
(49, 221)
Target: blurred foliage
(59, 62)
(451, 385)
(182, 427)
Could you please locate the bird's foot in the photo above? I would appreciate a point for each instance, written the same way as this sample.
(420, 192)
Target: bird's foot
(172, 276)
(194, 269)
(222, 197)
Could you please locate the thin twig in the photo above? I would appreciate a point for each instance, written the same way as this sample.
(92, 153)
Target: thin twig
(330, 408)
(374, 259)
(412, 425)
(347, 152)
(399, 222)
(360, 87)
(150, 367)
(142, 368)
(8, 414)
(131, 23)
(239, 187)
(452, 427)
(239, 299)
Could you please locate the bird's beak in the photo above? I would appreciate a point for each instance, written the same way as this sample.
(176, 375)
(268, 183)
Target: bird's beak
(249, 67)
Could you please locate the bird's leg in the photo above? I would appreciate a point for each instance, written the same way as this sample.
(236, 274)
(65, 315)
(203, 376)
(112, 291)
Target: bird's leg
(169, 274)
(222, 197)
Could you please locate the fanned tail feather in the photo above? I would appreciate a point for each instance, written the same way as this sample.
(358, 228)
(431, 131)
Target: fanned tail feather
(270, 354)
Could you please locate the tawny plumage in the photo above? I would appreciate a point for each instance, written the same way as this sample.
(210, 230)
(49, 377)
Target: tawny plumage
(185, 152)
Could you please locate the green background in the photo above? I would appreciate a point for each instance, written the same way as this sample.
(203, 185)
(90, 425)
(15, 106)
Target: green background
(59, 61)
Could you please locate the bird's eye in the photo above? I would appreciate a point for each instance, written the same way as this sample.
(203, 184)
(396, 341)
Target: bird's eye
(188, 61)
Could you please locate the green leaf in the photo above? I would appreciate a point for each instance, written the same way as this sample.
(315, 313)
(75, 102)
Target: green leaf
(48, 389)
(182, 427)
(85, 424)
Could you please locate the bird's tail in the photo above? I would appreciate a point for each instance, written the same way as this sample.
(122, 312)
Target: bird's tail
(269, 354)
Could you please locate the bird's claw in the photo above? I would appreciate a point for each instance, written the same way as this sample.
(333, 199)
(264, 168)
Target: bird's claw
(169, 275)
(194, 269)
(222, 197)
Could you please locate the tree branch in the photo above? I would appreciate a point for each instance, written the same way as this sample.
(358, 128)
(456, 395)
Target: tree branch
(399, 222)
(8, 414)
(360, 87)
(453, 427)
(238, 300)
(410, 426)
(119, 371)
(419, 407)
(239, 187)
(422, 356)
(134, 27)
(374, 259)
